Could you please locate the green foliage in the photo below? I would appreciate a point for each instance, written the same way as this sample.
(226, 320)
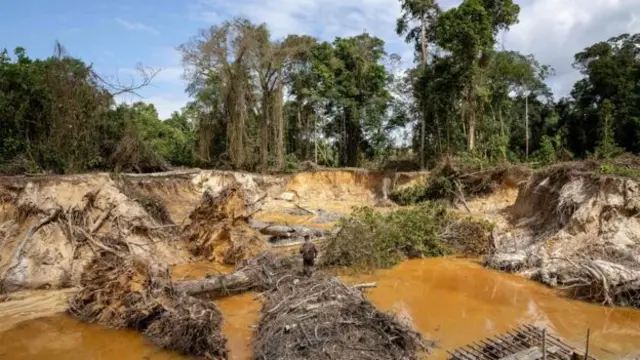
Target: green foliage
(551, 150)
(438, 187)
(603, 110)
(292, 165)
(607, 147)
(610, 168)
(410, 195)
(369, 239)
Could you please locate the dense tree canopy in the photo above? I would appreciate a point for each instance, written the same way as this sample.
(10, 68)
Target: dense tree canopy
(265, 104)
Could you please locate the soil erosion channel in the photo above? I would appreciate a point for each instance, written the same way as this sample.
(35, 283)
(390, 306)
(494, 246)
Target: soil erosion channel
(453, 301)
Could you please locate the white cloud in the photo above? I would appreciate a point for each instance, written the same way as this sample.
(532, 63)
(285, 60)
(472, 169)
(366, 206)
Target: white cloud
(555, 30)
(170, 74)
(136, 26)
(165, 103)
(552, 30)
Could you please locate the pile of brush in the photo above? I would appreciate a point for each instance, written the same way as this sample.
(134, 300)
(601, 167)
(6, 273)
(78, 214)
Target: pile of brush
(125, 292)
(322, 318)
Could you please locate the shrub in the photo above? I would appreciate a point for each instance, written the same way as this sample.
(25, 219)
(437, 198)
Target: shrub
(369, 239)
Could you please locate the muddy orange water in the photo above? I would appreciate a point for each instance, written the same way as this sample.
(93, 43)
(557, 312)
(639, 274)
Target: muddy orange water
(451, 300)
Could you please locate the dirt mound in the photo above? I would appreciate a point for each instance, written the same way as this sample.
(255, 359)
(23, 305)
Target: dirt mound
(54, 225)
(565, 218)
(126, 292)
(218, 229)
(321, 317)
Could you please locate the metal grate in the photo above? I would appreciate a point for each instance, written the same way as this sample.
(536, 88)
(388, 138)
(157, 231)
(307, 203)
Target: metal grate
(523, 343)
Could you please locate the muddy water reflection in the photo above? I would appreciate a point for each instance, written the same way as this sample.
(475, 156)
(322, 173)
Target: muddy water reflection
(454, 301)
(457, 302)
(61, 337)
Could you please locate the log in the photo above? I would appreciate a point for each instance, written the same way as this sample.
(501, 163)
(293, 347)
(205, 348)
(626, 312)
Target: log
(238, 281)
(366, 285)
(172, 173)
(285, 231)
(304, 209)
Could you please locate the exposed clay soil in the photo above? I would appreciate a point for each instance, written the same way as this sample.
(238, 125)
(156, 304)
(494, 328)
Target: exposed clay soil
(576, 229)
(52, 226)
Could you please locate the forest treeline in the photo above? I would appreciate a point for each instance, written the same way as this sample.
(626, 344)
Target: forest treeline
(266, 104)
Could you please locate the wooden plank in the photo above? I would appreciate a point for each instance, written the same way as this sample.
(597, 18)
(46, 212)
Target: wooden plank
(533, 353)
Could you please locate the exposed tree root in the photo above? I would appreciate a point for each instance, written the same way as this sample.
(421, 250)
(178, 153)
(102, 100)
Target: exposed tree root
(125, 292)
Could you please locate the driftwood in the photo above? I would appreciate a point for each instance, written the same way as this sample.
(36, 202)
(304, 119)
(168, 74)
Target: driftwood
(304, 209)
(260, 273)
(277, 231)
(604, 282)
(227, 283)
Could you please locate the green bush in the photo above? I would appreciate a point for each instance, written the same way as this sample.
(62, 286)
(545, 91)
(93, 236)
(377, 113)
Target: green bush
(369, 239)
(414, 194)
(609, 168)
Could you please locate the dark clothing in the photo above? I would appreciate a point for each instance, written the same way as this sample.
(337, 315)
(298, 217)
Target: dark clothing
(309, 253)
(308, 262)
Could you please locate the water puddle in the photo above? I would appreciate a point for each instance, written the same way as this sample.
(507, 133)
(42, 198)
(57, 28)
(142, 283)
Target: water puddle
(60, 337)
(457, 302)
(452, 300)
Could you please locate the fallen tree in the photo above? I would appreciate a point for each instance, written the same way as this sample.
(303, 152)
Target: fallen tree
(258, 274)
(127, 292)
(321, 317)
(279, 231)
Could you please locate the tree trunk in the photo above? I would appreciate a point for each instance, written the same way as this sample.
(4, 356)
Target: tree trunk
(493, 113)
(423, 40)
(315, 138)
(422, 137)
(278, 118)
(471, 137)
(423, 125)
(238, 281)
(526, 124)
(264, 133)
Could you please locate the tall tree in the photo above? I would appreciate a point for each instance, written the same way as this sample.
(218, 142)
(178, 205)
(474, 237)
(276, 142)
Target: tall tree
(611, 70)
(360, 93)
(469, 32)
(416, 23)
(220, 57)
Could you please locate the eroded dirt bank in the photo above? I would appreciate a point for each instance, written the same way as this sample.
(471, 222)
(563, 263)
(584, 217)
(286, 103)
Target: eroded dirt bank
(51, 227)
(578, 230)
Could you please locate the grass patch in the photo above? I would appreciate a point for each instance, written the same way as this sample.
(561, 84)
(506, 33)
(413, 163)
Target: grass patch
(371, 240)
(609, 168)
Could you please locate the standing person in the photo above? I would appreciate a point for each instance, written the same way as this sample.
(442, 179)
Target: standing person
(309, 253)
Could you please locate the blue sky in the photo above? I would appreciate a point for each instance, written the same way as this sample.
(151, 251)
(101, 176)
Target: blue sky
(118, 34)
